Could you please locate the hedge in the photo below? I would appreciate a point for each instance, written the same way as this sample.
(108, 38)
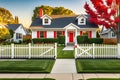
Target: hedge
(82, 39)
(26, 40)
(43, 40)
(95, 40)
(61, 39)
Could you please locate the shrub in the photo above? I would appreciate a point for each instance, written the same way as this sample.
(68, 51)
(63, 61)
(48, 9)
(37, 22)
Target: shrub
(42, 40)
(82, 39)
(26, 40)
(61, 39)
(95, 40)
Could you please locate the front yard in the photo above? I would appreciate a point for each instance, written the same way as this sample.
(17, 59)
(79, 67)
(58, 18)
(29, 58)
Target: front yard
(98, 65)
(42, 66)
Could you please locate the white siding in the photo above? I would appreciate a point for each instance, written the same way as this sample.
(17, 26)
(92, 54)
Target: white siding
(21, 31)
(93, 34)
(50, 34)
(34, 34)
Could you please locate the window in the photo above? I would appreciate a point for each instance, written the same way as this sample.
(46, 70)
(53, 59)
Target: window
(41, 34)
(85, 33)
(82, 20)
(113, 34)
(59, 33)
(46, 21)
(18, 36)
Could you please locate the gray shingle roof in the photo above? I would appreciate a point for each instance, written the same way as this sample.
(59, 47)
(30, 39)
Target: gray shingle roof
(62, 22)
(13, 26)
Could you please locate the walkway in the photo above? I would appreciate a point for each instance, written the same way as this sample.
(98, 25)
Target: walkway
(64, 66)
(69, 48)
(61, 76)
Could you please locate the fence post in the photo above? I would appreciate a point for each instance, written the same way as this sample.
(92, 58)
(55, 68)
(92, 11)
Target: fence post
(76, 51)
(29, 47)
(55, 50)
(93, 50)
(12, 51)
(118, 49)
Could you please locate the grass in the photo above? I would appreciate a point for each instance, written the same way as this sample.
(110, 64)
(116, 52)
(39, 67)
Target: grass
(42, 66)
(104, 79)
(98, 66)
(25, 79)
(69, 54)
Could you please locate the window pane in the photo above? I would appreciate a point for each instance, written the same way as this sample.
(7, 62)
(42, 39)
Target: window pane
(46, 20)
(41, 34)
(59, 33)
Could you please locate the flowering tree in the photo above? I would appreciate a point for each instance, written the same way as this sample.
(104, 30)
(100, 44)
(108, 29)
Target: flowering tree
(105, 13)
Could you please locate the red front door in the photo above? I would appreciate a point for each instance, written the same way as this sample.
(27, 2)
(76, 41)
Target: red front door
(71, 37)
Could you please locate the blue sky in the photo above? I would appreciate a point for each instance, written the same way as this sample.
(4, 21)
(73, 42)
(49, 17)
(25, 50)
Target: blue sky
(24, 8)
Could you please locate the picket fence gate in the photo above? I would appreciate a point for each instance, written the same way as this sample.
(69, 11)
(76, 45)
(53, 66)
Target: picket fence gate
(97, 51)
(28, 51)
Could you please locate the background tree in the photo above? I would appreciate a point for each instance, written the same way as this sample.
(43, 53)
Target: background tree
(105, 14)
(4, 34)
(51, 11)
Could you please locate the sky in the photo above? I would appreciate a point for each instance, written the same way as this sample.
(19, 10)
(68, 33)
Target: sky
(24, 8)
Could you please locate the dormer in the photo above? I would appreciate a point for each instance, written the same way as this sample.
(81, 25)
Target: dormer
(81, 19)
(46, 20)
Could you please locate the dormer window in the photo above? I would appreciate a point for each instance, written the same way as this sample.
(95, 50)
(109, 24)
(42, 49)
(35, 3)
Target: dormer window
(81, 20)
(46, 21)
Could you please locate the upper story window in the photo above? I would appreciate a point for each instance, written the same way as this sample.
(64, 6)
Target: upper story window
(46, 21)
(82, 20)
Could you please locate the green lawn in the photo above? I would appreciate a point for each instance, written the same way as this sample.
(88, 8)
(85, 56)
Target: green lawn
(69, 54)
(104, 79)
(42, 66)
(98, 65)
(25, 79)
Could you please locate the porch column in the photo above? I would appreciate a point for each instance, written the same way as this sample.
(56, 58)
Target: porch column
(75, 36)
(65, 37)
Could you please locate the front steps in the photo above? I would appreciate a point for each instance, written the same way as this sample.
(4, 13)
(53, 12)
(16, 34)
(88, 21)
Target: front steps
(70, 46)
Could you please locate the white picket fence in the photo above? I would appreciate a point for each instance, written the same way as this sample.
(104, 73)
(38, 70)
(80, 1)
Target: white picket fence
(97, 51)
(28, 51)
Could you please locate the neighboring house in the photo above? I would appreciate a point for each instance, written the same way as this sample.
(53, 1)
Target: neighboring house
(107, 33)
(19, 31)
(45, 26)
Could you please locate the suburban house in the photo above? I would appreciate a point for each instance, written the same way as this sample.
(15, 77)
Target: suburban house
(107, 33)
(45, 26)
(19, 31)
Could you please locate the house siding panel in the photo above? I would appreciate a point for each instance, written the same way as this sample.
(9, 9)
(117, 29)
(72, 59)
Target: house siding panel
(34, 34)
(50, 34)
(93, 34)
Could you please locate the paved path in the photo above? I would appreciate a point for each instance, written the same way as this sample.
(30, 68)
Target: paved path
(64, 66)
(61, 76)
